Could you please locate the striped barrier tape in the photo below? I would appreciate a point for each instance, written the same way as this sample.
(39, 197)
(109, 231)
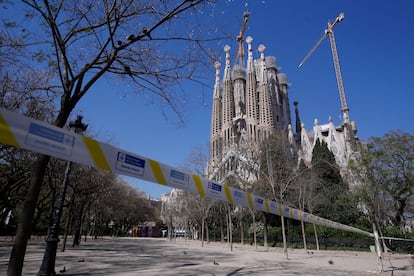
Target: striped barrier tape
(33, 135)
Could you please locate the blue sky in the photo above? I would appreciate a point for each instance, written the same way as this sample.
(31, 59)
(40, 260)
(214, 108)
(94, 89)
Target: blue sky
(375, 44)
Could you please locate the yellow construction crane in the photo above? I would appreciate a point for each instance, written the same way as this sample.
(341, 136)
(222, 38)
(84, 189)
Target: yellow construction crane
(240, 39)
(329, 31)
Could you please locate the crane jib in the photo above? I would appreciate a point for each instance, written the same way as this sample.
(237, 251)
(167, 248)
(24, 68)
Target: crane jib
(329, 31)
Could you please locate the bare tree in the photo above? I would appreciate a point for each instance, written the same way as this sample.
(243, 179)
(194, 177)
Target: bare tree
(199, 207)
(304, 191)
(276, 173)
(219, 212)
(174, 212)
(83, 41)
(198, 210)
(22, 89)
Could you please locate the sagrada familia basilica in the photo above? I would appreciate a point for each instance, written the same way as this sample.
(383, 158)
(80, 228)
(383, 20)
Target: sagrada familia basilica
(250, 103)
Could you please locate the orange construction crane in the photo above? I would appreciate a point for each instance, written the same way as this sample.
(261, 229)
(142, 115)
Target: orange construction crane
(329, 31)
(240, 39)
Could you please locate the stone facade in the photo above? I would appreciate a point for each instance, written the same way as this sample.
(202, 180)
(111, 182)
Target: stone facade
(250, 103)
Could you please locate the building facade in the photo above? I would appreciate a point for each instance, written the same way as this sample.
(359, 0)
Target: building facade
(252, 102)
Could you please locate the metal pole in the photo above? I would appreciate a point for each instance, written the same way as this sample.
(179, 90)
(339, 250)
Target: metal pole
(49, 258)
(378, 248)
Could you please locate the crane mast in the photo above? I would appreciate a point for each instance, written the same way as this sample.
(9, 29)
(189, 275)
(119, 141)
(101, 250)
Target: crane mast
(329, 31)
(240, 39)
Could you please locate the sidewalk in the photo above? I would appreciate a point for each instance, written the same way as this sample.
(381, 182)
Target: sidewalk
(152, 256)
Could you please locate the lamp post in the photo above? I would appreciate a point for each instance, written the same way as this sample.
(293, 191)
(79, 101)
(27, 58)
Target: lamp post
(49, 258)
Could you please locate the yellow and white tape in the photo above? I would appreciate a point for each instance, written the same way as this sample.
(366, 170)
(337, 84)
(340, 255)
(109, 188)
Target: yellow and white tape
(33, 135)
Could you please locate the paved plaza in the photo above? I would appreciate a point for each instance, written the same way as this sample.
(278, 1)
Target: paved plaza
(152, 256)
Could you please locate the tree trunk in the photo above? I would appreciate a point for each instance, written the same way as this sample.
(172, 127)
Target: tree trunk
(78, 226)
(221, 231)
(68, 220)
(88, 210)
(24, 229)
(378, 248)
(384, 246)
(254, 230)
(207, 233)
(230, 228)
(231, 233)
(185, 231)
(316, 237)
(65, 235)
(170, 230)
(303, 235)
(282, 219)
(399, 216)
(265, 232)
(241, 230)
(202, 232)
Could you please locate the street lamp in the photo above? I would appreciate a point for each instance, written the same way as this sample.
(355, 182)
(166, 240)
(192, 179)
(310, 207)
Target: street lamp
(49, 258)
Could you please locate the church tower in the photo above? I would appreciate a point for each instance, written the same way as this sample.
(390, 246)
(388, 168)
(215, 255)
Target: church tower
(249, 104)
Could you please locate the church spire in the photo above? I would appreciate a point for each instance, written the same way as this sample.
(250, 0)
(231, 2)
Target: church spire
(251, 96)
(216, 117)
(265, 96)
(217, 83)
(227, 68)
(262, 72)
(298, 122)
(227, 102)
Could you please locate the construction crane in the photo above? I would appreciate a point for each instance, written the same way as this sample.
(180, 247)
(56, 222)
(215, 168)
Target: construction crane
(329, 31)
(240, 39)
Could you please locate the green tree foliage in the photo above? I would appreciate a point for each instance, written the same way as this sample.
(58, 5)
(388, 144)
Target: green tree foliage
(305, 187)
(331, 197)
(386, 174)
(396, 153)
